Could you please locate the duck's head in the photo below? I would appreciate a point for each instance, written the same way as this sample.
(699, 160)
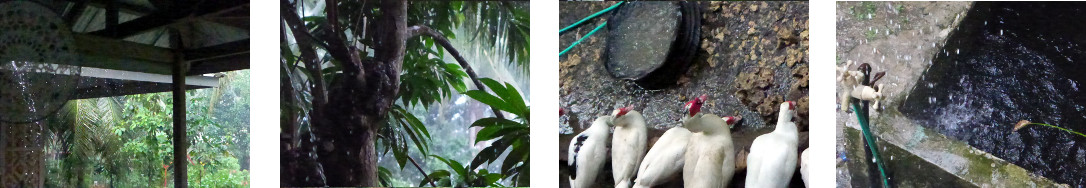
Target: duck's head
(619, 112)
(731, 120)
(788, 109)
(693, 107)
(692, 111)
(620, 115)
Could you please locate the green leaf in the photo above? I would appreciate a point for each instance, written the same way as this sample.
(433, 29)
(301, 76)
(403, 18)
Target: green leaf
(488, 133)
(434, 176)
(492, 121)
(455, 166)
(519, 153)
(401, 157)
(513, 98)
(384, 176)
(486, 155)
(492, 132)
(459, 86)
(491, 100)
(455, 69)
(498, 88)
(416, 124)
(492, 178)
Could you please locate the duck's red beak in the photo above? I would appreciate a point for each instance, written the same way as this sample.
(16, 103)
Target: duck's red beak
(731, 120)
(622, 111)
(694, 106)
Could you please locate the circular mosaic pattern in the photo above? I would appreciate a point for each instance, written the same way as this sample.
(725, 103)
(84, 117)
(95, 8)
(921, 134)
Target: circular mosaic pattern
(39, 68)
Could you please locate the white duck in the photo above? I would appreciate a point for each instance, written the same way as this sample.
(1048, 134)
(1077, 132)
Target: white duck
(803, 169)
(664, 160)
(588, 152)
(710, 156)
(772, 158)
(628, 145)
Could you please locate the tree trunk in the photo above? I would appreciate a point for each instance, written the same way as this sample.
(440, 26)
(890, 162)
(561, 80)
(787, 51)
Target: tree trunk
(359, 104)
(344, 123)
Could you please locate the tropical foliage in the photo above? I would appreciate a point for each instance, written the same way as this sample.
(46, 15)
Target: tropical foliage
(427, 78)
(126, 141)
(509, 136)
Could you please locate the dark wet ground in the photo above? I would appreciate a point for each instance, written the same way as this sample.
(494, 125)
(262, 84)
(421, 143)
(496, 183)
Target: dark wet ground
(753, 57)
(1007, 62)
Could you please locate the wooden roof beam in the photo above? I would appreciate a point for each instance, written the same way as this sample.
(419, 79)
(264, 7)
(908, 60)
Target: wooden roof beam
(116, 54)
(123, 7)
(77, 10)
(166, 17)
(225, 64)
(224, 57)
(217, 51)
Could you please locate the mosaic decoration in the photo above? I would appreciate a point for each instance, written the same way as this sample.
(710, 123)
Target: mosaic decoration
(39, 69)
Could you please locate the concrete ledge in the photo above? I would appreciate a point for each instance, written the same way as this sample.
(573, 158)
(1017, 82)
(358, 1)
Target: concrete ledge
(919, 157)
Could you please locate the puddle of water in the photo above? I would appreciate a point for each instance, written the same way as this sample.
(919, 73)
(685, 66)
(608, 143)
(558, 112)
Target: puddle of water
(1007, 62)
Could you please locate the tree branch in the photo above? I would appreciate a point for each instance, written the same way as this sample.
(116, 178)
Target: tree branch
(444, 42)
(286, 89)
(305, 41)
(424, 175)
(330, 9)
(337, 43)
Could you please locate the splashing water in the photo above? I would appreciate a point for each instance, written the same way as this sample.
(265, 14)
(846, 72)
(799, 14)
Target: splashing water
(24, 84)
(993, 80)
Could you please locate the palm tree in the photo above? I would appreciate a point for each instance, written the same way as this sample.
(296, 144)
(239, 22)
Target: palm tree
(84, 130)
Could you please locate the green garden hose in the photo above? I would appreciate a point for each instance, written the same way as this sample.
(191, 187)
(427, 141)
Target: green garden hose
(578, 23)
(582, 38)
(861, 116)
(608, 9)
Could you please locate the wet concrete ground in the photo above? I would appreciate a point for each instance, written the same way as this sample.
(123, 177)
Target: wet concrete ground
(753, 57)
(901, 38)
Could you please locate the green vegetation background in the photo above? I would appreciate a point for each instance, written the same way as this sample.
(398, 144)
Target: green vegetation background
(125, 141)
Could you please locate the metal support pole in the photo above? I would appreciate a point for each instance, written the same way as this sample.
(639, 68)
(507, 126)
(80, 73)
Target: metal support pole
(180, 137)
(3, 150)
